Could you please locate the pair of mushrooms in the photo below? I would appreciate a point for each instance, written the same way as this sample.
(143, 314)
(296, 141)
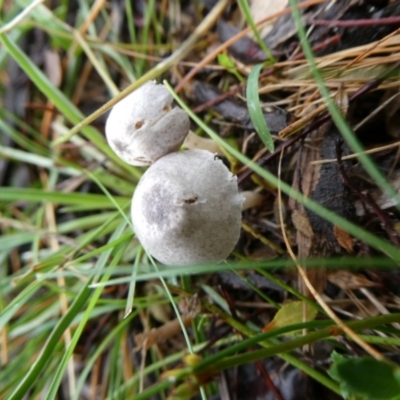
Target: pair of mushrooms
(186, 208)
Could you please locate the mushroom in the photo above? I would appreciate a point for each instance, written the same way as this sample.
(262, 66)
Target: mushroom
(143, 126)
(186, 209)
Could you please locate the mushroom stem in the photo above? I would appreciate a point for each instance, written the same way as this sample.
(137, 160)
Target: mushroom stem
(252, 199)
(194, 141)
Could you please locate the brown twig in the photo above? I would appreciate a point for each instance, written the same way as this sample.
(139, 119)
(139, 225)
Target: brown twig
(356, 22)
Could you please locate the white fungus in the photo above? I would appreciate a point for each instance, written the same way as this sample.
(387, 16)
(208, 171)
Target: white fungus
(143, 126)
(186, 209)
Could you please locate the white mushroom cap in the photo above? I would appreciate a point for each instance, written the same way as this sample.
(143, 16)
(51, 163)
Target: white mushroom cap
(143, 126)
(186, 209)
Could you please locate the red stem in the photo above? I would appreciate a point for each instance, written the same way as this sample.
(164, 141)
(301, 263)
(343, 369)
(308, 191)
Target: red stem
(356, 22)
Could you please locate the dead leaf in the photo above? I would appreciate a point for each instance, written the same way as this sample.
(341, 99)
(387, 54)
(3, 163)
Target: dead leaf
(170, 329)
(261, 9)
(305, 180)
(343, 238)
(190, 307)
(292, 313)
(346, 280)
(160, 312)
(302, 224)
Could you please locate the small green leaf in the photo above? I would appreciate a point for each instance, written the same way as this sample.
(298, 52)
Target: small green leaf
(255, 110)
(366, 377)
(225, 61)
(290, 314)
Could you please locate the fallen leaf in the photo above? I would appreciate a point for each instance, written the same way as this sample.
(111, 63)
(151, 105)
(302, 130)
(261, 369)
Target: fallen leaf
(292, 313)
(343, 238)
(156, 335)
(346, 280)
(261, 9)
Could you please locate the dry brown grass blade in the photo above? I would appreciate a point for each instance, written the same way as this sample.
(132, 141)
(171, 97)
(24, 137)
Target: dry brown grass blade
(371, 48)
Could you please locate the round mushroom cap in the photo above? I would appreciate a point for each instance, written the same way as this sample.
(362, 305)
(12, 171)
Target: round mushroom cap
(143, 126)
(187, 209)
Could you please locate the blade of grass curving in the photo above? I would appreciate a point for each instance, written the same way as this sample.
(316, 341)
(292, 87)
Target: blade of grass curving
(330, 216)
(164, 362)
(272, 346)
(100, 250)
(153, 390)
(130, 19)
(124, 62)
(173, 304)
(337, 117)
(37, 195)
(132, 283)
(332, 263)
(13, 240)
(104, 258)
(255, 110)
(18, 301)
(30, 157)
(383, 340)
(112, 88)
(159, 69)
(100, 349)
(37, 142)
(20, 17)
(18, 138)
(288, 288)
(258, 338)
(46, 353)
(8, 312)
(85, 223)
(244, 6)
(111, 370)
(231, 360)
(112, 199)
(61, 102)
(140, 63)
(260, 292)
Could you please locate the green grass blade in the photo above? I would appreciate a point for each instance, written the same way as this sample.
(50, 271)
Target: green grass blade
(63, 104)
(255, 110)
(37, 195)
(104, 259)
(45, 356)
(100, 349)
(244, 6)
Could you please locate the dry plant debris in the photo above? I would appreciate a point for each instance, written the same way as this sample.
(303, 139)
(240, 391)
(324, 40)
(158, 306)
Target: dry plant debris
(76, 322)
